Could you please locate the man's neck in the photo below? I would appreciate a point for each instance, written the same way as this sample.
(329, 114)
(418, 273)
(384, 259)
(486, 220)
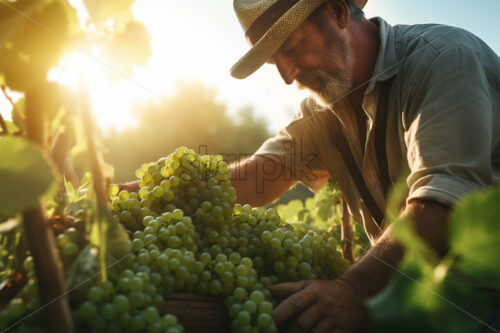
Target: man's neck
(365, 44)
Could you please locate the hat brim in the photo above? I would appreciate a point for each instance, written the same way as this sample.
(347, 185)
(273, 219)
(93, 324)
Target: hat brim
(272, 40)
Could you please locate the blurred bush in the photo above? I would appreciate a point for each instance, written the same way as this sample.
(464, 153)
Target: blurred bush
(192, 117)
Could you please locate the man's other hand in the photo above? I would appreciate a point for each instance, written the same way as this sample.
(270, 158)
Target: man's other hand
(318, 306)
(130, 187)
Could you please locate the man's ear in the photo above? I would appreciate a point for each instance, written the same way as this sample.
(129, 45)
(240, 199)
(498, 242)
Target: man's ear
(339, 10)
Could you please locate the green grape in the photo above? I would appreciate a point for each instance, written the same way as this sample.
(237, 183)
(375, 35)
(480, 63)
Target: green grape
(243, 318)
(235, 309)
(266, 237)
(108, 311)
(257, 297)
(275, 243)
(124, 195)
(138, 323)
(266, 307)
(121, 303)
(98, 323)
(61, 240)
(241, 270)
(250, 306)
(264, 320)
(16, 308)
(136, 284)
(178, 214)
(151, 314)
(240, 294)
(87, 310)
(29, 264)
(215, 287)
(95, 294)
(247, 262)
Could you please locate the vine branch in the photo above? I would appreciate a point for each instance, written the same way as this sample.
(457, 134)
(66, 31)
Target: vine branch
(98, 179)
(40, 237)
(347, 233)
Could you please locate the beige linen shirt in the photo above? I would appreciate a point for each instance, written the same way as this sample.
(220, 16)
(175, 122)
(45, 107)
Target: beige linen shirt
(443, 122)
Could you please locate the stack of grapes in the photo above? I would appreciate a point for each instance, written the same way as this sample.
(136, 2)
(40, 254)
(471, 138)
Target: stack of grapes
(188, 228)
(188, 235)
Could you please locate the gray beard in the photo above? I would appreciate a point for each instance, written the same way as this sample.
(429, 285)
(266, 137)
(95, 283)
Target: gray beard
(325, 87)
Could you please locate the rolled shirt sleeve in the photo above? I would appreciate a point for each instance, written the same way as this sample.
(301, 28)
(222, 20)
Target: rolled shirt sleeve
(296, 146)
(450, 128)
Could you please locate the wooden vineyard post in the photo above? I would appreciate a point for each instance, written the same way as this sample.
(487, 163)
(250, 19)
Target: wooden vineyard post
(40, 238)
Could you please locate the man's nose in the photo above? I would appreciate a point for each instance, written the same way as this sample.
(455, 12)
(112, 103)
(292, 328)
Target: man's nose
(288, 70)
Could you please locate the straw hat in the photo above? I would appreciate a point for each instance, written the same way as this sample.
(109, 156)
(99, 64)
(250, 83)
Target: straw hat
(267, 25)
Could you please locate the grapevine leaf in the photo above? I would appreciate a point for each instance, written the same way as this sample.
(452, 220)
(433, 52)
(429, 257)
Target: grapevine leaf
(18, 112)
(129, 47)
(11, 127)
(474, 236)
(289, 211)
(416, 301)
(303, 215)
(309, 204)
(32, 41)
(83, 272)
(404, 232)
(111, 238)
(101, 11)
(25, 174)
(70, 191)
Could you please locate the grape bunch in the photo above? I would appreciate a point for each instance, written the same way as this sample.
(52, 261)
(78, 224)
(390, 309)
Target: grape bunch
(187, 227)
(195, 184)
(187, 234)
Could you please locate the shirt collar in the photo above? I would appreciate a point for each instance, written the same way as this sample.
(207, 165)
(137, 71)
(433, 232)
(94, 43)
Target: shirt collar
(386, 64)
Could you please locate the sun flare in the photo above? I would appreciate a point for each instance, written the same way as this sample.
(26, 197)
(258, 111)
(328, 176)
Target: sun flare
(111, 100)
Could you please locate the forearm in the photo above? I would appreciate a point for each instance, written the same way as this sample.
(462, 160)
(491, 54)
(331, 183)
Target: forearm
(259, 181)
(375, 269)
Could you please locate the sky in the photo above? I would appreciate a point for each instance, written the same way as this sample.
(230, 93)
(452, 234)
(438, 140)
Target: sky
(199, 40)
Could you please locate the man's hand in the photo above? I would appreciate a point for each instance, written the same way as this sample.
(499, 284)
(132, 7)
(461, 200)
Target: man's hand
(130, 187)
(318, 306)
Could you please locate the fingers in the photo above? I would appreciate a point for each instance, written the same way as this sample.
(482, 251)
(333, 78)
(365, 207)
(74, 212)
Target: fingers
(326, 325)
(284, 290)
(130, 187)
(307, 319)
(293, 305)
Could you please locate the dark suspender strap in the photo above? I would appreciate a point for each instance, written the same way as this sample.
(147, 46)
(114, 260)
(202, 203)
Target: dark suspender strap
(381, 135)
(343, 146)
(380, 150)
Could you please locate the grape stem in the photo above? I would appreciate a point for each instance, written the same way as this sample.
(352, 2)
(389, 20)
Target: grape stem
(40, 239)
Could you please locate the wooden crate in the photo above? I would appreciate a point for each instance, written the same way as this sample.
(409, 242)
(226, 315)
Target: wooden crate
(198, 314)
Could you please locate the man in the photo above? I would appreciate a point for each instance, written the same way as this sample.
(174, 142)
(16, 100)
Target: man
(422, 98)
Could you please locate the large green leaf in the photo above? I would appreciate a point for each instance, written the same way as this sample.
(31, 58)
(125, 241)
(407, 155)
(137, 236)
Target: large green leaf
(32, 35)
(25, 174)
(404, 232)
(129, 47)
(101, 11)
(289, 211)
(110, 238)
(423, 298)
(474, 236)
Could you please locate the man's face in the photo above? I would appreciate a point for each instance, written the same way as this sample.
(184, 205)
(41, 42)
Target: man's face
(318, 59)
